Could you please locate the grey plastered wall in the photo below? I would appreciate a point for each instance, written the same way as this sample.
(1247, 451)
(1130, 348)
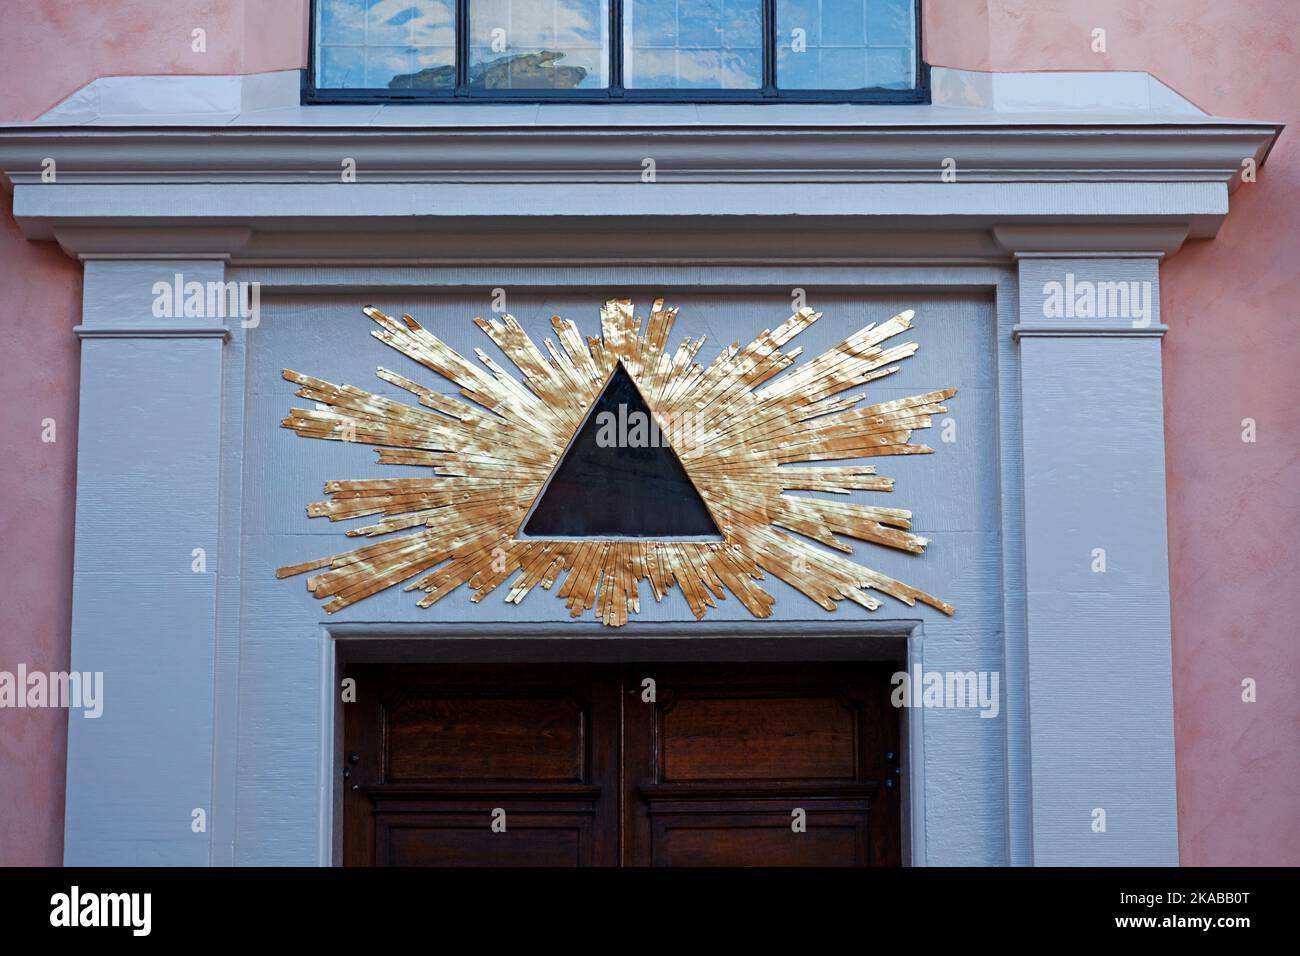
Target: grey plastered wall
(219, 676)
(954, 495)
(144, 589)
(1100, 680)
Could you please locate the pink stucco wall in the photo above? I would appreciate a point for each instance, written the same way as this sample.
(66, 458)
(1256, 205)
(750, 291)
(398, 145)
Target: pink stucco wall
(1231, 354)
(40, 301)
(52, 48)
(48, 50)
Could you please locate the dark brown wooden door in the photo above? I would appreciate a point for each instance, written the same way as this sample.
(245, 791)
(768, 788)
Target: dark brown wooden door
(641, 765)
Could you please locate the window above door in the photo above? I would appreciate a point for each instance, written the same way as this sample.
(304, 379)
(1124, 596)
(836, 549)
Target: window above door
(611, 50)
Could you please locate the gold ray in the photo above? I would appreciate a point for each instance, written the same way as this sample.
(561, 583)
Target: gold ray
(760, 423)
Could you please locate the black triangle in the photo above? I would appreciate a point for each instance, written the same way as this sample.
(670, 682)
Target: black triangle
(626, 487)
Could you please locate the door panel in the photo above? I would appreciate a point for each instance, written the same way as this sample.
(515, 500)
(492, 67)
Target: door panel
(758, 738)
(463, 839)
(484, 738)
(433, 753)
(756, 841)
(720, 765)
(711, 769)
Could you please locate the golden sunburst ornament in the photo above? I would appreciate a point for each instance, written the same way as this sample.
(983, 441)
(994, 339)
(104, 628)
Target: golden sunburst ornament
(752, 440)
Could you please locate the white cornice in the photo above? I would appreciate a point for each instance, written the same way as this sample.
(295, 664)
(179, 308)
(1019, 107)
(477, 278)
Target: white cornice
(807, 182)
(1086, 151)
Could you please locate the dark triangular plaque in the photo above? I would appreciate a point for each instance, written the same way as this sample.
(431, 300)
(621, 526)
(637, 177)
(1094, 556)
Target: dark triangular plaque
(619, 478)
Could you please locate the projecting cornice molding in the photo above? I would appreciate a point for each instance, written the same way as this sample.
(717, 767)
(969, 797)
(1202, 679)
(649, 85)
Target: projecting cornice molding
(956, 179)
(730, 153)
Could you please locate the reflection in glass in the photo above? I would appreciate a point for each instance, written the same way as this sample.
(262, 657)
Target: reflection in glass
(845, 44)
(693, 44)
(386, 44)
(538, 44)
(566, 44)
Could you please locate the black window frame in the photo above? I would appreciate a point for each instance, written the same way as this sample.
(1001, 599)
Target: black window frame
(615, 92)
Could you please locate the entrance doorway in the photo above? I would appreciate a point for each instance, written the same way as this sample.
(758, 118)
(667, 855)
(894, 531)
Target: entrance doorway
(685, 764)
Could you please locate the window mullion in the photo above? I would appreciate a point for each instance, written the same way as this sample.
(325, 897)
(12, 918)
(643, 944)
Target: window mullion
(462, 48)
(769, 47)
(616, 48)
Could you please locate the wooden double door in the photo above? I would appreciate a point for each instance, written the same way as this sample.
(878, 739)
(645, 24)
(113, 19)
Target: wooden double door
(632, 764)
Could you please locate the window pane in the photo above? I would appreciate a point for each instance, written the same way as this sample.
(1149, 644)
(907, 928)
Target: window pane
(386, 44)
(538, 44)
(845, 44)
(693, 44)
